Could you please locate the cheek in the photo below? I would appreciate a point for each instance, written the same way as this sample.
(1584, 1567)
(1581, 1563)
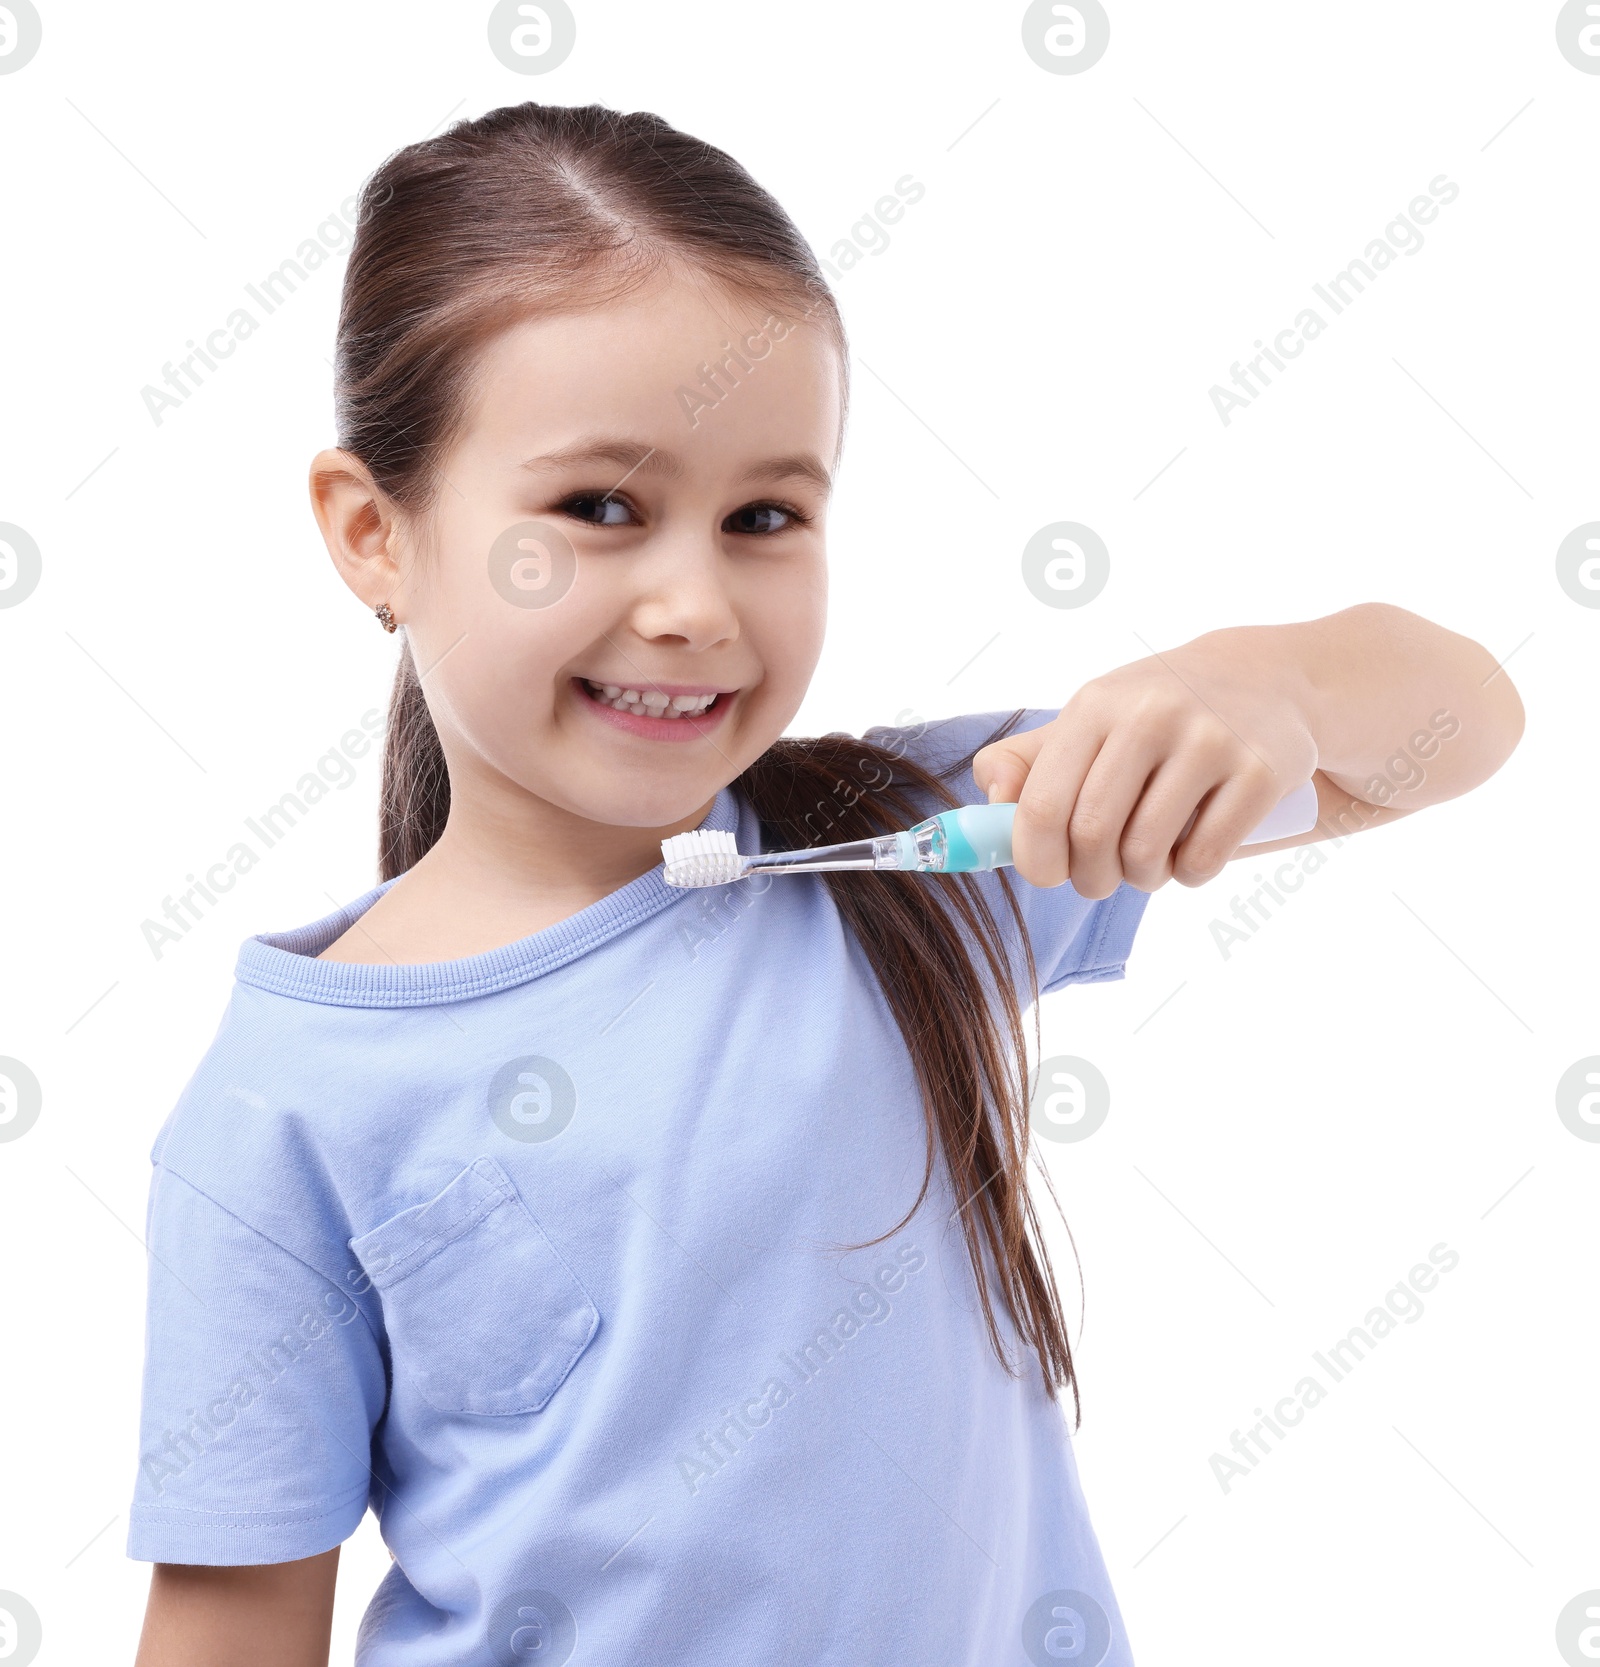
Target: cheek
(495, 666)
(522, 634)
(498, 573)
(789, 615)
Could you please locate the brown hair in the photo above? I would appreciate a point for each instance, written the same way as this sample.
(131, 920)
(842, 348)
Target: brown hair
(532, 209)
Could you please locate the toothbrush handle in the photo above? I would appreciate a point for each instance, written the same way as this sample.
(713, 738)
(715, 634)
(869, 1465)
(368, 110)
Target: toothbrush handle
(978, 837)
(1295, 813)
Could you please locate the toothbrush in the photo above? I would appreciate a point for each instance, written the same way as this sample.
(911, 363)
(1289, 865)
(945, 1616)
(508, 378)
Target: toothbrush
(967, 840)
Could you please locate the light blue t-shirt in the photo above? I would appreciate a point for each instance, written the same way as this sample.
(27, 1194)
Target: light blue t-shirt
(535, 1252)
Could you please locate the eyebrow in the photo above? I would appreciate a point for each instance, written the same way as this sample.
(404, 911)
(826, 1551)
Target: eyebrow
(631, 456)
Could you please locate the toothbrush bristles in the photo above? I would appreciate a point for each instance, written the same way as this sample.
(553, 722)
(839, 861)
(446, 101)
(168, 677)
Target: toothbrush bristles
(701, 857)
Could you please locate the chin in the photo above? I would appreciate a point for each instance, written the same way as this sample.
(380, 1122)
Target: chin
(646, 804)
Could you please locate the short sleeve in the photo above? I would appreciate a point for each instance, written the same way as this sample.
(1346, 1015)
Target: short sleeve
(1075, 940)
(262, 1384)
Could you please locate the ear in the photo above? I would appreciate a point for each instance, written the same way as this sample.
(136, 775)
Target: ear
(360, 527)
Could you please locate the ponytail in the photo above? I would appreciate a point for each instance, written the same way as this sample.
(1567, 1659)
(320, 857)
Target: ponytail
(414, 803)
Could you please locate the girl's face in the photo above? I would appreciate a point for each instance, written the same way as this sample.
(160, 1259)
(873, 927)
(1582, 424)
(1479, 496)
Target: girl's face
(631, 509)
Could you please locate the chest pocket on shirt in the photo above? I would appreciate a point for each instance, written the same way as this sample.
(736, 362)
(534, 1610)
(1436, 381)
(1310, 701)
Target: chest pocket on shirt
(483, 1314)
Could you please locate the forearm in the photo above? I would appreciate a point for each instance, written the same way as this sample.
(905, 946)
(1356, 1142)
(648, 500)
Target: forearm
(271, 1615)
(1402, 711)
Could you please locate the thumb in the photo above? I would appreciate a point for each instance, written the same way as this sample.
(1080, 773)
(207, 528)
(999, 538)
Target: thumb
(1000, 768)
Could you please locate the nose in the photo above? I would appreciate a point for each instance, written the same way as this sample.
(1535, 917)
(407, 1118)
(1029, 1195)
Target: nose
(684, 596)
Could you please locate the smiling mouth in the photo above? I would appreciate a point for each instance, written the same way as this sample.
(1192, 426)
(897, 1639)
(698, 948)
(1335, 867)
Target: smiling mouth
(651, 703)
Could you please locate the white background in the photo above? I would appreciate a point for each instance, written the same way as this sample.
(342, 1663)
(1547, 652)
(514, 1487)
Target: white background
(1372, 1074)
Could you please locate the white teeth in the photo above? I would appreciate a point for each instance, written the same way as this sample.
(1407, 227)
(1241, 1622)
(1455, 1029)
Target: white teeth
(649, 703)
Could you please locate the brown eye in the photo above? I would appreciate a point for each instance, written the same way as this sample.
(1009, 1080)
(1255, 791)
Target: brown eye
(756, 519)
(583, 505)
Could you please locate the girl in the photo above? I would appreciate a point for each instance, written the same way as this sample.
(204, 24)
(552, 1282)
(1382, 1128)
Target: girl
(659, 1266)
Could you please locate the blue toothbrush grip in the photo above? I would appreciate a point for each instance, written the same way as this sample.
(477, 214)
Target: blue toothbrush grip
(978, 837)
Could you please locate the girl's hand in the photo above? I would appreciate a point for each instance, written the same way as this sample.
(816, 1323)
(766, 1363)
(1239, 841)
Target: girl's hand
(1104, 791)
(1230, 723)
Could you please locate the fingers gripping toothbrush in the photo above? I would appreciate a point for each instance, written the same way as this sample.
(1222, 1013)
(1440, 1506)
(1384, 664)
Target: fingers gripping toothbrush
(967, 840)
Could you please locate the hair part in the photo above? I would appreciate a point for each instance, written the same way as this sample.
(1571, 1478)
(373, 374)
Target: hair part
(533, 210)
